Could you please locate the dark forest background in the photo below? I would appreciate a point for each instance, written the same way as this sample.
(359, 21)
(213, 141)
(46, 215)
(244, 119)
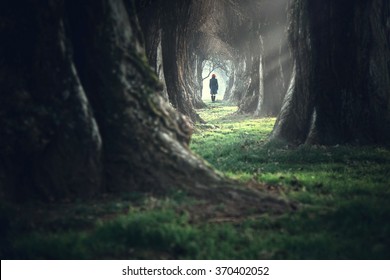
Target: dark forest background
(99, 100)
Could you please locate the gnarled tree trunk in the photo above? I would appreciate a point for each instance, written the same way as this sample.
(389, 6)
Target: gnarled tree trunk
(340, 87)
(130, 139)
(80, 112)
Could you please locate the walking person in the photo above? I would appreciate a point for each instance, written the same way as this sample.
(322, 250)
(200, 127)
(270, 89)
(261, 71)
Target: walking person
(213, 87)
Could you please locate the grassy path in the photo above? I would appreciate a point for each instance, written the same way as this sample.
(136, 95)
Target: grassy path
(344, 190)
(343, 193)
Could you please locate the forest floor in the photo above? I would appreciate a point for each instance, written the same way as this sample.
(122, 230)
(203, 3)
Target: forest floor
(343, 194)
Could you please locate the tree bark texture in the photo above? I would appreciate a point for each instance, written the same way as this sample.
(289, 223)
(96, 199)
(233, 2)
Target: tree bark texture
(174, 50)
(50, 142)
(81, 116)
(149, 13)
(340, 89)
(79, 110)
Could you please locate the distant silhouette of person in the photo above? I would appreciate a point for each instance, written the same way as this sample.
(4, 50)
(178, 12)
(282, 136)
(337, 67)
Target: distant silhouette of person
(213, 87)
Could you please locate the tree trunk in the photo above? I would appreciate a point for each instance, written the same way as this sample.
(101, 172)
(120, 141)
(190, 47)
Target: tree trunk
(276, 70)
(241, 81)
(133, 140)
(174, 50)
(150, 14)
(230, 84)
(161, 22)
(190, 80)
(268, 39)
(50, 143)
(340, 87)
(80, 114)
(198, 90)
(251, 98)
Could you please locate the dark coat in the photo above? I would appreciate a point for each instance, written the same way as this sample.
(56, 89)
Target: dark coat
(213, 86)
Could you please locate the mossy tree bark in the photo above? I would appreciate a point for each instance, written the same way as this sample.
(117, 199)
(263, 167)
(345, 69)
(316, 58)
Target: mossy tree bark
(85, 117)
(80, 112)
(340, 88)
(149, 13)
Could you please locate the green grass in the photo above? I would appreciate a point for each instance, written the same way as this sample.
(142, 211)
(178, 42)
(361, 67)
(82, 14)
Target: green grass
(238, 147)
(343, 190)
(342, 193)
